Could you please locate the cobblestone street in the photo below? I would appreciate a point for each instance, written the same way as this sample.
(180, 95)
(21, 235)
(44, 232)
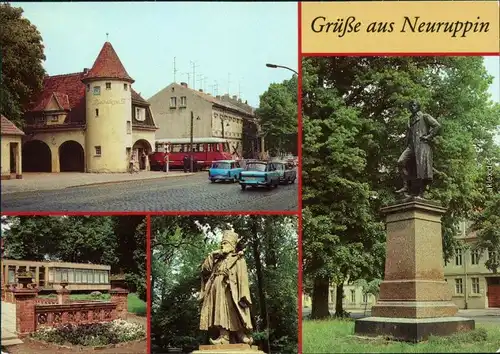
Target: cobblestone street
(176, 193)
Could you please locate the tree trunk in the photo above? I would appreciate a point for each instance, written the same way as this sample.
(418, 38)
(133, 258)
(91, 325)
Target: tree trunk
(320, 298)
(339, 307)
(260, 279)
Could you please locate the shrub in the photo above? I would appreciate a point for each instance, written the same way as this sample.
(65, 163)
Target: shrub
(95, 334)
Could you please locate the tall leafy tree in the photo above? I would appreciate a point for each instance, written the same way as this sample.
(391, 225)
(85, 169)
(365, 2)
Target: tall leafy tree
(277, 115)
(21, 62)
(354, 119)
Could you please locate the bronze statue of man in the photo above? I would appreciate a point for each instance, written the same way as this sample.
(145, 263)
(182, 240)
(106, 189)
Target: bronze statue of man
(415, 163)
(225, 292)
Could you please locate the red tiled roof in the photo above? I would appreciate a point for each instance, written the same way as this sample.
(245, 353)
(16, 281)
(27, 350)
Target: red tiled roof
(9, 128)
(108, 65)
(69, 91)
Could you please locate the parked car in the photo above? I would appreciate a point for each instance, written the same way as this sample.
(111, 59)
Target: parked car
(287, 171)
(260, 174)
(225, 170)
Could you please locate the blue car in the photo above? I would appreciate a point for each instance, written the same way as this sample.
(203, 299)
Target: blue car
(260, 174)
(224, 170)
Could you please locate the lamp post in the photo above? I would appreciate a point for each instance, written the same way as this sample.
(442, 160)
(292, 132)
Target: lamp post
(275, 66)
(191, 152)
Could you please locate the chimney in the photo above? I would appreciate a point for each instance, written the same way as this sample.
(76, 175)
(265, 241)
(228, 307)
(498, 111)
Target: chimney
(201, 90)
(246, 102)
(239, 100)
(235, 97)
(85, 71)
(184, 84)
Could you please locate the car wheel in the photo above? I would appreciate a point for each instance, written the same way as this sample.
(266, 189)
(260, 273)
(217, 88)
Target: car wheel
(243, 187)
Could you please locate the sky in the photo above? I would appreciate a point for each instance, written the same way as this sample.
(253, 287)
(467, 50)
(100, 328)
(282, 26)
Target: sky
(235, 39)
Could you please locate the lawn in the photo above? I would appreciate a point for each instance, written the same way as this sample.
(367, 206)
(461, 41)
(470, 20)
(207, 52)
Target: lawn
(337, 336)
(135, 305)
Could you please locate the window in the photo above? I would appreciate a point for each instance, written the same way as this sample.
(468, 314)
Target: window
(97, 90)
(129, 127)
(58, 275)
(12, 276)
(97, 112)
(475, 256)
(459, 288)
(353, 296)
(332, 295)
(88, 87)
(173, 102)
(78, 276)
(492, 255)
(108, 85)
(140, 114)
(458, 257)
(54, 119)
(475, 285)
(71, 275)
(125, 87)
(365, 298)
(106, 277)
(183, 101)
(98, 151)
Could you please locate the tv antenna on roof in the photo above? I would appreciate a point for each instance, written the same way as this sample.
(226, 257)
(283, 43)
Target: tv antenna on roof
(107, 36)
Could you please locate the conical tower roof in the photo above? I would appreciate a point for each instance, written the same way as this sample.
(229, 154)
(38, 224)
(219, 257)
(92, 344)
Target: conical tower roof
(108, 66)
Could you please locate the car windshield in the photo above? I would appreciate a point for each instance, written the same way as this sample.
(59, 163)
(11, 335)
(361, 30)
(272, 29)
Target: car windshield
(221, 165)
(256, 167)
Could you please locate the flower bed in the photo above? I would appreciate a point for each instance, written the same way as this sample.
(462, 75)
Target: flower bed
(95, 334)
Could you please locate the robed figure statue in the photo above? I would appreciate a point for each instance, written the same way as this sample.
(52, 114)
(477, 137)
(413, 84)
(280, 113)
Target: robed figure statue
(225, 292)
(415, 163)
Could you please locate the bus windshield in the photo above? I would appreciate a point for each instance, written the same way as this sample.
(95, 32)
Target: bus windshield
(221, 165)
(261, 167)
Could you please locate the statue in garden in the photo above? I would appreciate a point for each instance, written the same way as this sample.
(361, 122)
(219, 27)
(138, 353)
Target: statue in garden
(415, 163)
(225, 293)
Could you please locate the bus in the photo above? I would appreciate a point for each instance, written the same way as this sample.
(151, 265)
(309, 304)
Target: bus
(205, 151)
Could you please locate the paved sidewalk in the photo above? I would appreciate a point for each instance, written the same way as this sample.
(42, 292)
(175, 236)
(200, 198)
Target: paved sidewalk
(9, 336)
(53, 181)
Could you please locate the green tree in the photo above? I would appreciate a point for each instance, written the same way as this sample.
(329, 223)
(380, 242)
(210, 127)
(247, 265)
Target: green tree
(277, 115)
(21, 62)
(354, 117)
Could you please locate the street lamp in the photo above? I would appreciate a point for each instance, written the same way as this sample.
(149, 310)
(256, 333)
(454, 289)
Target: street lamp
(274, 66)
(191, 153)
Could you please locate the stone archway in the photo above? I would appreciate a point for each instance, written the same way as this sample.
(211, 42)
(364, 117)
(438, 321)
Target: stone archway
(71, 157)
(36, 157)
(142, 149)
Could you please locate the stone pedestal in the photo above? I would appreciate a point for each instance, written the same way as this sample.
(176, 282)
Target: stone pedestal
(119, 297)
(228, 349)
(25, 299)
(415, 300)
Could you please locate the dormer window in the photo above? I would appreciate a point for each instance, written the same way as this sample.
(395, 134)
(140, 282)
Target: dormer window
(108, 85)
(97, 90)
